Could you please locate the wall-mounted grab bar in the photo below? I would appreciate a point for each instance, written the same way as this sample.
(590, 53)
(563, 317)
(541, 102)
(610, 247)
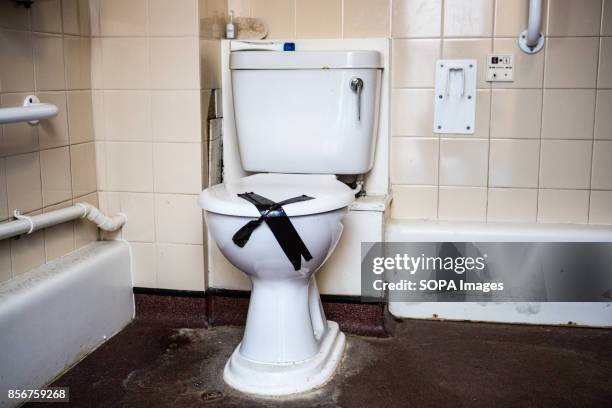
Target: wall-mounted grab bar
(531, 40)
(26, 225)
(32, 111)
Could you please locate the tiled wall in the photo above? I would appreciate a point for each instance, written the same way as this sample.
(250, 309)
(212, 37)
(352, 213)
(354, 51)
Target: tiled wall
(45, 51)
(542, 151)
(148, 130)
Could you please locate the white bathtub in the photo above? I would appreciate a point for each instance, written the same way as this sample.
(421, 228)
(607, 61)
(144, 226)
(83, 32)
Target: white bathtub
(587, 314)
(56, 314)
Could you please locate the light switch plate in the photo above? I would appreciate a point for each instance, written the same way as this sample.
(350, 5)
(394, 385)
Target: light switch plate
(500, 67)
(455, 96)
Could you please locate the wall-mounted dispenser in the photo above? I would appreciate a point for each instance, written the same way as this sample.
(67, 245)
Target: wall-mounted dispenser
(455, 97)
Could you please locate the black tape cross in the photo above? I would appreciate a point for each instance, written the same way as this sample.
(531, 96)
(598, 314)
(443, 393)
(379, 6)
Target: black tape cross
(280, 225)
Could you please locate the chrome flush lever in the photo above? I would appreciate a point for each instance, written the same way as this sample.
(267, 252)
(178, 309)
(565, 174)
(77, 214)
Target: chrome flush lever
(357, 86)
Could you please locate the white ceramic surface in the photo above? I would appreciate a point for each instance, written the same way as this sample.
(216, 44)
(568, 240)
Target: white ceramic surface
(305, 120)
(328, 193)
(53, 316)
(286, 330)
(294, 113)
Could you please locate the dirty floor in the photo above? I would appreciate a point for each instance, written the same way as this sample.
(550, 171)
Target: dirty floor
(426, 364)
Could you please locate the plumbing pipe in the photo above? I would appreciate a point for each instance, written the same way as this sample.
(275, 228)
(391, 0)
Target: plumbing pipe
(531, 40)
(31, 111)
(27, 225)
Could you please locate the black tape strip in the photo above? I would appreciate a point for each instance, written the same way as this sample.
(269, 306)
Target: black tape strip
(275, 217)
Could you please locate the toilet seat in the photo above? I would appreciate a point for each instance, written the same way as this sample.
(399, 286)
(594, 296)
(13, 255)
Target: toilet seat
(329, 194)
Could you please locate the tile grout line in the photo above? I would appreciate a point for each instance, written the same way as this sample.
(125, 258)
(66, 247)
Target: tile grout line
(592, 170)
(441, 55)
(493, 27)
(544, 49)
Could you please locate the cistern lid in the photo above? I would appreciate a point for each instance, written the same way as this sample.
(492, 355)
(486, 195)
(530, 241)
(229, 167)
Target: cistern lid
(305, 60)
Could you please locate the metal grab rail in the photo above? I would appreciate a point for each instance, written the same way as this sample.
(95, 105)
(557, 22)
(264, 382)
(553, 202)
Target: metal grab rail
(531, 40)
(32, 111)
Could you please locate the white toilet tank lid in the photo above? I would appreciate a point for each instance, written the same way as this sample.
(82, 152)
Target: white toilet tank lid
(305, 59)
(329, 194)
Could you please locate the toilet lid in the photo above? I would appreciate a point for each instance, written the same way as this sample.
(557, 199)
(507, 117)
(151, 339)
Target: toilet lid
(328, 193)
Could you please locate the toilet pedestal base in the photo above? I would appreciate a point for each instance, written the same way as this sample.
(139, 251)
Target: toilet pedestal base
(271, 379)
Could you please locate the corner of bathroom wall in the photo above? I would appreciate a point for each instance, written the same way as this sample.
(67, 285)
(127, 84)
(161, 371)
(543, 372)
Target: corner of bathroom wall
(149, 126)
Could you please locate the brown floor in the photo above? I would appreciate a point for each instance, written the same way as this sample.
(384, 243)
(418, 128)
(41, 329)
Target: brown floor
(425, 364)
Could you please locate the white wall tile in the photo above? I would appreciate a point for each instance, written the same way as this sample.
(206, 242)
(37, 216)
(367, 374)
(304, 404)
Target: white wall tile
(406, 73)
(180, 266)
(512, 205)
(3, 194)
(125, 63)
(416, 18)
(604, 79)
(144, 264)
(127, 115)
(468, 18)
(602, 165)
(17, 62)
(173, 17)
(5, 258)
(412, 112)
(83, 165)
(516, 113)
(563, 206)
(571, 62)
(574, 18)
(49, 62)
(600, 211)
(463, 162)
(568, 113)
(129, 166)
(176, 116)
(175, 63)
(120, 17)
(178, 219)
(603, 115)
(462, 203)
(178, 167)
(140, 210)
(514, 163)
(565, 164)
(55, 175)
(415, 202)
(414, 160)
(23, 182)
(27, 252)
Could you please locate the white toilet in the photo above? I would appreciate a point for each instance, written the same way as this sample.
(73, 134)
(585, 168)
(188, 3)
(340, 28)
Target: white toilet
(301, 118)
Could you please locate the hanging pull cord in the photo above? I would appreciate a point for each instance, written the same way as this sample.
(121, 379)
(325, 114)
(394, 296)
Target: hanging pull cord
(275, 217)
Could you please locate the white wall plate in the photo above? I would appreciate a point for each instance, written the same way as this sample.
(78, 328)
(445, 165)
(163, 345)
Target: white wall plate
(455, 96)
(500, 68)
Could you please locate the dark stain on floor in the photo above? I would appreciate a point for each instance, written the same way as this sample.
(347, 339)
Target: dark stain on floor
(426, 364)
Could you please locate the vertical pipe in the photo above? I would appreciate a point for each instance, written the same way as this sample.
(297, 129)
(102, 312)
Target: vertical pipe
(535, 22)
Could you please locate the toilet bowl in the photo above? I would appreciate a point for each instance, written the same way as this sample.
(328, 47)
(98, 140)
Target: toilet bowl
(288, 346)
